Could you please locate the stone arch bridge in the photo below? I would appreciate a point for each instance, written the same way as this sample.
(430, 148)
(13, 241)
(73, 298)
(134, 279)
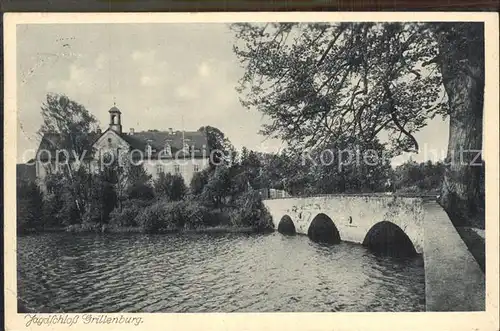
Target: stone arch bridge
(453, 279)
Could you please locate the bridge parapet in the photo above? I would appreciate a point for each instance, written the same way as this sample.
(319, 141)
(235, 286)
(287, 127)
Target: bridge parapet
(353, 215)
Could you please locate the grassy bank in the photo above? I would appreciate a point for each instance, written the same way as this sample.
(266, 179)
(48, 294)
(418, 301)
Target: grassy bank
(137, 229)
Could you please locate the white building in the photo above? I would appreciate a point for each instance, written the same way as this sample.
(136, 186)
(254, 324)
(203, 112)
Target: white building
(176, 152)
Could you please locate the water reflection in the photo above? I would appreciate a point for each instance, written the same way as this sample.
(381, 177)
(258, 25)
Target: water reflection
(210, 273)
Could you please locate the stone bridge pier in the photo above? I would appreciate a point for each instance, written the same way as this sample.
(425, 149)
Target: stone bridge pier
(453, 279)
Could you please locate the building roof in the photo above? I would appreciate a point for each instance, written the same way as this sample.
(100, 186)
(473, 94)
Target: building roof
(158, 140)
(197, 140)
(114, 109)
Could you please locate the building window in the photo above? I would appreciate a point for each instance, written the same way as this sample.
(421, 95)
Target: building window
(196, 168)
(177, 169)
(159, 169)
(168, 150)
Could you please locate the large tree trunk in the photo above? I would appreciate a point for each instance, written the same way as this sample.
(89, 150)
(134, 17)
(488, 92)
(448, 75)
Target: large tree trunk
(461, 48)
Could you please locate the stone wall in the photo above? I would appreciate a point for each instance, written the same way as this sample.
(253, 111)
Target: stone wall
(353, 215)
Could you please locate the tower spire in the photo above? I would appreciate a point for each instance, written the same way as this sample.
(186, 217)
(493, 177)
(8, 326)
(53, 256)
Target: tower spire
(115, 122)
(183, 140)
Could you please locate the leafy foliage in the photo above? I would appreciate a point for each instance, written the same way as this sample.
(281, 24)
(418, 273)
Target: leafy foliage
(125, 216)
(138, 183)
(170, 186)
(220, 149)
(71, 120)
(157, 217)
(318, 81)
(419, 177)
(102, 200)
(166, 215)
(198, 182)
(217, 187)
(252, 212)
(29, 207)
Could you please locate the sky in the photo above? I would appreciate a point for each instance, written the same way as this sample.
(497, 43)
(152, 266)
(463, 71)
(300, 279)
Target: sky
(162, 75)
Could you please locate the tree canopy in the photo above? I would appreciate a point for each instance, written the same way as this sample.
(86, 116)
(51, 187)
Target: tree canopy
(318, 82)
(70, 120)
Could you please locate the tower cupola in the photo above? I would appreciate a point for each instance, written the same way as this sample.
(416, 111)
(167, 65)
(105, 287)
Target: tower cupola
(115, 121)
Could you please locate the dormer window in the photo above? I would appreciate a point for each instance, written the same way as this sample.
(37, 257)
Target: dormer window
(168, 149)
(149, 148)
(186, 147)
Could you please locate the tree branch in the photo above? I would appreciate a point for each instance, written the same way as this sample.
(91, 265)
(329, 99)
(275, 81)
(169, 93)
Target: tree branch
(394, 118)
(325, 53)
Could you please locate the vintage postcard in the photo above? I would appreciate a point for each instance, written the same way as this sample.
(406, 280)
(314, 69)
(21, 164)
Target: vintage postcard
(231, 171)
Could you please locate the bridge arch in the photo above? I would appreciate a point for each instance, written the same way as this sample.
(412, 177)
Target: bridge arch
(286, 226)
(389, 239)
(323, 229)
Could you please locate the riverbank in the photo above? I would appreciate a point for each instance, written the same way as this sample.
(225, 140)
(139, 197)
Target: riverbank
(136, 229)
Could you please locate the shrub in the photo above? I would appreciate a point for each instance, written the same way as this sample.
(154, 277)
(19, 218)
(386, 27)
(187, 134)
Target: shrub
(251, 211)
(127, 214)
(140, 190)
(217, 187)
(138, 183)
(29, 207)
(50, 210)
(198, 182)
(179, 188)
(91, 215)
(102, 199)
(170, 186)
(154, 218)
(196, 215)
(166, 216)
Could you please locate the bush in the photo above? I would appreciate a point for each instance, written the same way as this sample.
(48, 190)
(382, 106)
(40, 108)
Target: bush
(167, 216)
(154, 218)
(252, 212)
(170, 186)
(51, 206)
(217, 188)
(29, 216)
(198, 182)
(91, 216)
(196, 215)
(142, 191)
(29, 207)
(127, 214)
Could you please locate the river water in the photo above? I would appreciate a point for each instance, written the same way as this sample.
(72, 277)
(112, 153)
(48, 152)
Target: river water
(211, 273)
